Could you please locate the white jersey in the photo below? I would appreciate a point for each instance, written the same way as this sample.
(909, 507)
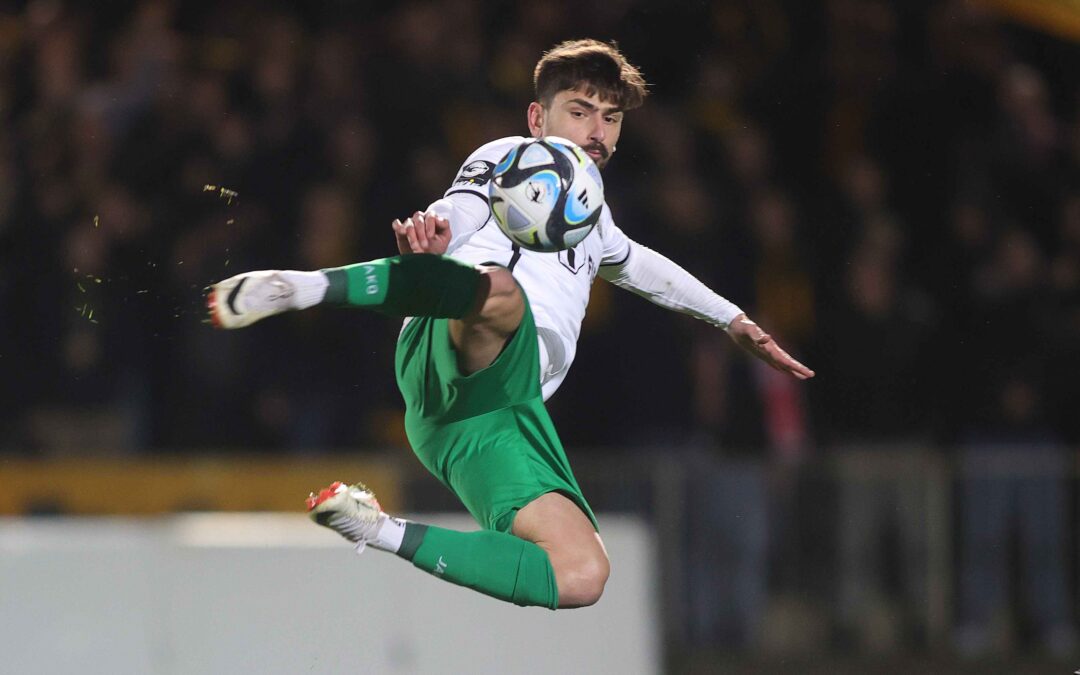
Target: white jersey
(557, 284)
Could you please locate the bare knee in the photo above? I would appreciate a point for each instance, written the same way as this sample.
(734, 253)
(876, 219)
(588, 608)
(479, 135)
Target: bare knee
(578, 558)
(581, 582)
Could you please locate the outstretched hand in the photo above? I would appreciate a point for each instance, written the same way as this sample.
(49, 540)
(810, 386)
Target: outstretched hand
(422, 233)
(750, 337)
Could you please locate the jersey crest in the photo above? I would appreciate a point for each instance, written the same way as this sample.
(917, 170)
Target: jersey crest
(574, 260)
(475, 173)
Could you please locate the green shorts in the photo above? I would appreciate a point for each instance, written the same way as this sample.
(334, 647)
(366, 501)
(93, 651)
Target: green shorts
(486, 436)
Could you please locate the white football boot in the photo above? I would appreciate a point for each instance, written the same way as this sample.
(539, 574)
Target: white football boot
(249, 297)
(350, 510)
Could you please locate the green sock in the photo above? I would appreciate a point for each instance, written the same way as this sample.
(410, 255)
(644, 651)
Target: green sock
(407, 285)
(494, 563)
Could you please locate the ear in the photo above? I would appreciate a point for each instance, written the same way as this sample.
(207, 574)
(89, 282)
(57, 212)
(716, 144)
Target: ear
(535, 118)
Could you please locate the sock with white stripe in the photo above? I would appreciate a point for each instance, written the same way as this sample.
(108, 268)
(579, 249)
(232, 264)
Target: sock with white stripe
(407, 285)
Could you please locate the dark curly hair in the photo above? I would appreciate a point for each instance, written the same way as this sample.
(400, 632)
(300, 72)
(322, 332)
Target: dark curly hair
(597, 68)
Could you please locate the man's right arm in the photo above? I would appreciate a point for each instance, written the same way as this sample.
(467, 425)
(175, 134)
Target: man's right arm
(466, 211)
(464, 206)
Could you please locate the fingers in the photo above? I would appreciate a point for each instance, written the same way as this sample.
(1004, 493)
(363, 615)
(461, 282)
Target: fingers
(419, 228)
(406, 230)
(429, 226)
(782, 361)
(759, 343)
(401, 237)
(422, 233)
(442, 226)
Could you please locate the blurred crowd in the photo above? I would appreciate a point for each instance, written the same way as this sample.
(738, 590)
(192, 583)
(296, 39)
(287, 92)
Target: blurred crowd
(890, 188)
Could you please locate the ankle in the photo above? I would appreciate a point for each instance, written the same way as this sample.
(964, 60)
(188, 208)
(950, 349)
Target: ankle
(310, 287)
(389, 534)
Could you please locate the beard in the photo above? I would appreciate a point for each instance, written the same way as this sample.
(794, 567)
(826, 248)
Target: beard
(599, 148)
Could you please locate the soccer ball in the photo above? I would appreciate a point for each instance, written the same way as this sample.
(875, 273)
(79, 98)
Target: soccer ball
(546, 194)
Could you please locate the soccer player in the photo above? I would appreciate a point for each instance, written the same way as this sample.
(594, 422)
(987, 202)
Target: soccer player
(494, 330)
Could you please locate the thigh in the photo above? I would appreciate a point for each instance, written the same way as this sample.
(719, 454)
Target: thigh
(486, 435)
(504, 461)
(438, 392)
(479, 338)
(557, 524)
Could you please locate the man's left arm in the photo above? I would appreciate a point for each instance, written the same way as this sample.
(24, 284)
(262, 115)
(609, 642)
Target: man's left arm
(659, 280)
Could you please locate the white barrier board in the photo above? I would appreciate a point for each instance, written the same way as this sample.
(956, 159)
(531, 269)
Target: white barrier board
(272, 593)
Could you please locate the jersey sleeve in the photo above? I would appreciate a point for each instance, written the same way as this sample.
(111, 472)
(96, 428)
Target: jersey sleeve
(616, 243)
(465, 203)
(662, 282)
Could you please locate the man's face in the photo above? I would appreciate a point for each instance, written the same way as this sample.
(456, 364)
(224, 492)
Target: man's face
(593, 124)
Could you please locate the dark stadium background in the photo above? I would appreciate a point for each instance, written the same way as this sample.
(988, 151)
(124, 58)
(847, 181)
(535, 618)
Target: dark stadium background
(890, 188)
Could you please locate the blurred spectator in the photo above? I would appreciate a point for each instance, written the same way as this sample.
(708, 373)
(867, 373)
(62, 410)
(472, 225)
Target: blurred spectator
(1065, 279)
(1013, 464)
(783, 301)
(1013, 483)
(727, 580)
(870, 396)
(877, 430)
(1026, 162)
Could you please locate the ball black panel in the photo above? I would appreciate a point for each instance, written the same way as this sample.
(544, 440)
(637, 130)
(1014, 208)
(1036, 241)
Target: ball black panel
(556, 222)
(515, 176)
(563, 167)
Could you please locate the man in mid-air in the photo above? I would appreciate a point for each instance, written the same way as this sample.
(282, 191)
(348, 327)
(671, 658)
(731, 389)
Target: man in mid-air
(492, 334)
